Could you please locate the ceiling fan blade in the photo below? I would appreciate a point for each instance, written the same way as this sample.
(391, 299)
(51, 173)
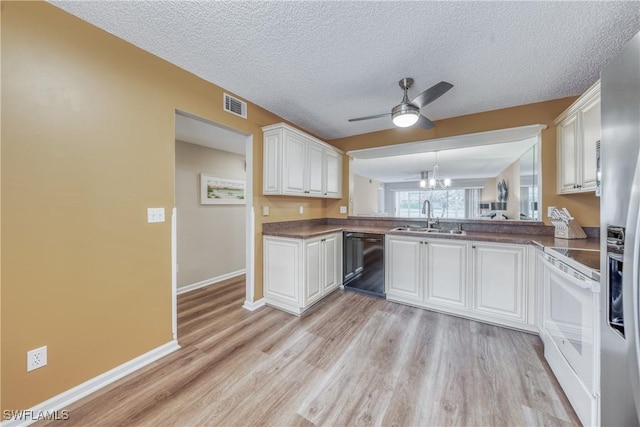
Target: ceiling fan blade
(377, 116)
(424, 123)
(431, 94)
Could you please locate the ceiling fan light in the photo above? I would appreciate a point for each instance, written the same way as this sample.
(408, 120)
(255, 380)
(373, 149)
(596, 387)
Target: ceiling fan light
(447, 182)
(405, 115)
(423, 183)
(405, 120)
(432, 183)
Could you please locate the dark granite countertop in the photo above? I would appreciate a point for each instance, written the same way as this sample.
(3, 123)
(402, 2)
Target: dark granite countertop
(310, 229)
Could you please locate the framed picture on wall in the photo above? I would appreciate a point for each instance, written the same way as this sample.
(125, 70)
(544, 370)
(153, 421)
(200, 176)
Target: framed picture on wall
(221, 191)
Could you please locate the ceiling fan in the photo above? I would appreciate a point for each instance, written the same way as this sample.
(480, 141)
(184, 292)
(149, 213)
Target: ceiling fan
(407, 113)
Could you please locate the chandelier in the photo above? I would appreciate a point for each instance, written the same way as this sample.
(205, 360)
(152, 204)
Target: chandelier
(436, 180)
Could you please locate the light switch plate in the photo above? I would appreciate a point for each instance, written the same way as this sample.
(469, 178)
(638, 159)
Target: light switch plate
(265, 210)
(155, 215)
(343, 209)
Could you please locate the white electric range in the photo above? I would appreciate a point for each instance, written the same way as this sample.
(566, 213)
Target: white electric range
(571, 325)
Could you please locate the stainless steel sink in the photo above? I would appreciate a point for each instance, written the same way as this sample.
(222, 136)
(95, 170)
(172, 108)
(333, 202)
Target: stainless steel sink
(413, 229)
(428, 230)
(458, 232)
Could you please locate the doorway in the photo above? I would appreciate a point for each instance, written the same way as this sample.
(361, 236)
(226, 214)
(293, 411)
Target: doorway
(229, 154)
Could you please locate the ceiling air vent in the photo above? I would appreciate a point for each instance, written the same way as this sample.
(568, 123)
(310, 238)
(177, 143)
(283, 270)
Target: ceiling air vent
(234, 106)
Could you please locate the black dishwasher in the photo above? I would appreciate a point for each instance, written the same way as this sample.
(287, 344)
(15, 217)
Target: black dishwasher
(363, 263)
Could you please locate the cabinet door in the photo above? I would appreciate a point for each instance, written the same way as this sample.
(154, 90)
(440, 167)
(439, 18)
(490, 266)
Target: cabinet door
(332, 174)
(590, 117)
(271, 178)
(499, 281)
(282, 275)
(402, 271)
(293, 168)
(330, 263)
(446, 273)
(314, 169)
(567, 162)
(313, 271)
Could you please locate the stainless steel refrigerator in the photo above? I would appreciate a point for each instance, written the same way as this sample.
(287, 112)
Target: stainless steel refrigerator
(620, 245)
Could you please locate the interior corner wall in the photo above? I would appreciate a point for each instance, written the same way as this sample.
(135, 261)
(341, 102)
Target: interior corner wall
(211, 238)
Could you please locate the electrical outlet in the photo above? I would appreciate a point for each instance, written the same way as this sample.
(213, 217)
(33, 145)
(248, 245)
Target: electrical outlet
(155, 215)
(36, 358)
(301, 210)
(343, 209)
(549, 210)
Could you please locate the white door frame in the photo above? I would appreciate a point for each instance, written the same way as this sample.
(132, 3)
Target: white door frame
(249, 303)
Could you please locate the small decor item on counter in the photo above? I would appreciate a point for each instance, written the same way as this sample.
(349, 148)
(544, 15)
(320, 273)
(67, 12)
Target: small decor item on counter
(503, 191)
(566, 226)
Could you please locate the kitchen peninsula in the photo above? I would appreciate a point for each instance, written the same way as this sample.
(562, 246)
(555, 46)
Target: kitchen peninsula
(489, 274)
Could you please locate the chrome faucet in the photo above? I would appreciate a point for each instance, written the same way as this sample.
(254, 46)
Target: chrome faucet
(427, 211)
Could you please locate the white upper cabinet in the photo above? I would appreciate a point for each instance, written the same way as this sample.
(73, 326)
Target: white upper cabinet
(332, 174)
(293, 167)
(590, 136)
(315, 169)
(578, 130)
(296, 164)
(567, 155)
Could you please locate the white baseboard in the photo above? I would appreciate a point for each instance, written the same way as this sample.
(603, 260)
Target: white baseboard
(251, 306)
(64, 399)
(211, 281)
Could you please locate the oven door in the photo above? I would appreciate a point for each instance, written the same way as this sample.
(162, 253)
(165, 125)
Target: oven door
(570, 311)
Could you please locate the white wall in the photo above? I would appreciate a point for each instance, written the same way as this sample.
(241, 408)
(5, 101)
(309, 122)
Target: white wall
(211, 238)
(365, 195)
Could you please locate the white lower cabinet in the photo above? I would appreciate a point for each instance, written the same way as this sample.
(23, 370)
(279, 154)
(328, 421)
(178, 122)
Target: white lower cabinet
(484, 281)
(426, 272)
(300, 272)
(499, 281)
(403, 268)
(446, 273)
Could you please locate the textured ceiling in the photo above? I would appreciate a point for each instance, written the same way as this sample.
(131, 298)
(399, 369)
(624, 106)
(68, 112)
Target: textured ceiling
(319, 63)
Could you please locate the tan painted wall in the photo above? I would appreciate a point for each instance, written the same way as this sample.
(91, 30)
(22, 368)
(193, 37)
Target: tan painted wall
(365, 195)
(584, 207)
(211, 238)
(87, 146)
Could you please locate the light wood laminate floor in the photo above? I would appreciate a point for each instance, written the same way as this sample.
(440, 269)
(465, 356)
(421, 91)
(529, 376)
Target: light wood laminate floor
(352, 360)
